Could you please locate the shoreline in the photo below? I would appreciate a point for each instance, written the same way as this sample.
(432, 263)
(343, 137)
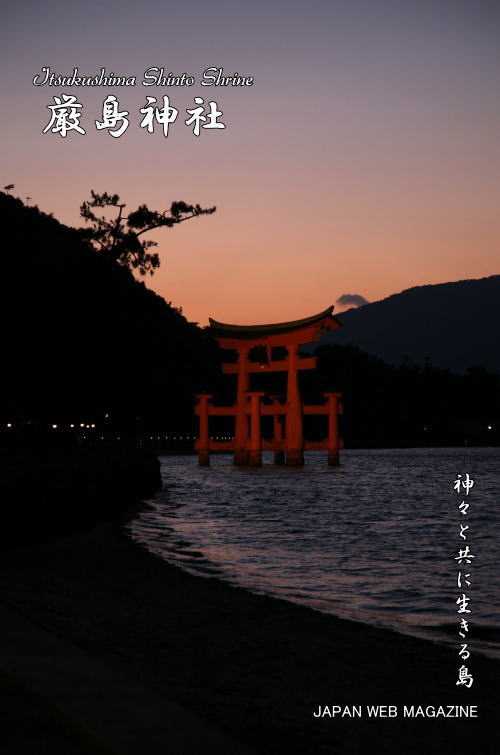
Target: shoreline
(252, 666)
(427, 633)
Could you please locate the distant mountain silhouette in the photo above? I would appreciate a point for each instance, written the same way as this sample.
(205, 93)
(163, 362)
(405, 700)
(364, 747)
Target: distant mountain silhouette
(452, 325)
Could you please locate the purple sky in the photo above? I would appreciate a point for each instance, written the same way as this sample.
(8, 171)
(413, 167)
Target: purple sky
(364, 159)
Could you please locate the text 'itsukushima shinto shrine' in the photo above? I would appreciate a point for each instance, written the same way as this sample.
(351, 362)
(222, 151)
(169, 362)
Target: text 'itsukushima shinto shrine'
(288, 441)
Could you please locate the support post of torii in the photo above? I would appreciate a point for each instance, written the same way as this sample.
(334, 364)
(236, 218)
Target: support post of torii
(294, 426)
(204, 439)
(241, 420)
(255, 441)
(279, 453)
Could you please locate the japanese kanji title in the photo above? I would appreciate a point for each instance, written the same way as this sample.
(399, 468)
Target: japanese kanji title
(67, 111)
(462, 486)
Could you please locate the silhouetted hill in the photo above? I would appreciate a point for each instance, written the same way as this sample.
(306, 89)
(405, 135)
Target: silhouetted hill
(82, 338)
(407, 405)
(454, 325)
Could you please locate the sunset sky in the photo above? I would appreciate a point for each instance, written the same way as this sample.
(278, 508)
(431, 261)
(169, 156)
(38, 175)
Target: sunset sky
(364, 159)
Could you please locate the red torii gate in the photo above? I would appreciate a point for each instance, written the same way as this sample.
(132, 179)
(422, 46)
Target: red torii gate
(289, 446)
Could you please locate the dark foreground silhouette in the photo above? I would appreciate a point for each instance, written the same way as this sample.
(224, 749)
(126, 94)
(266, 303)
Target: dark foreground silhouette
(255, 667)
(84, 341)
(54, 491)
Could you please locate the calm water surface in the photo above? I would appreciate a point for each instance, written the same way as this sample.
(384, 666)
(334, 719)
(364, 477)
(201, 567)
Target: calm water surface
(373, 540)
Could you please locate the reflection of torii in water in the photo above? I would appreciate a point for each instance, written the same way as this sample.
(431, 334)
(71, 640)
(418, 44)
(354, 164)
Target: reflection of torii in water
(248, 443)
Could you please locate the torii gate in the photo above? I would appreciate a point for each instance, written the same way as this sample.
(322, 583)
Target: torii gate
(289, 446)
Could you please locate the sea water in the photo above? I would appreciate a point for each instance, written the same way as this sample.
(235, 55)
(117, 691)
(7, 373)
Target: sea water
(374, 540)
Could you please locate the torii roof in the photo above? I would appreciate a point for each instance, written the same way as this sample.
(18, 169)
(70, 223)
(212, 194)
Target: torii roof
(323, 321)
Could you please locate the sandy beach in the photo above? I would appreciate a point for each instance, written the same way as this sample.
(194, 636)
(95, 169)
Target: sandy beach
(161, 661)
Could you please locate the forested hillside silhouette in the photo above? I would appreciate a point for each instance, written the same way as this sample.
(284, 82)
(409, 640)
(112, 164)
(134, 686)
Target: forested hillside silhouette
(409, 404)
(83, 340)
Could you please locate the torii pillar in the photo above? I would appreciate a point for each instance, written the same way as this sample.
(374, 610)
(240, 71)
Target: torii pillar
(279, 454)
(294, 424)
(204, 439)
(255, 440)
(241, 420)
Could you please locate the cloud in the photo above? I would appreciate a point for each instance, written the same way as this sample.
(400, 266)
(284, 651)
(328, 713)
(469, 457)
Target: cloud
(354, 300)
